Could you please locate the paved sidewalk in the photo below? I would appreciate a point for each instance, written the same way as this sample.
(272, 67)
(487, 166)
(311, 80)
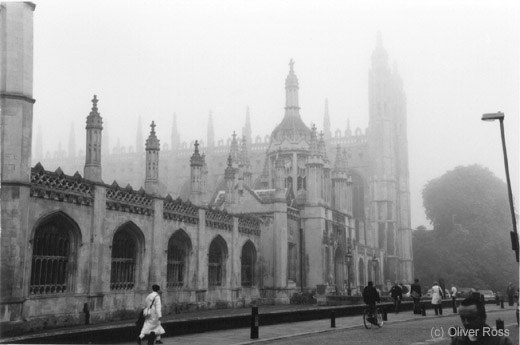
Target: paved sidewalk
(242, 336)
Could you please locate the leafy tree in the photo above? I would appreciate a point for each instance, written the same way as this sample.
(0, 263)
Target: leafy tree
(470, 244)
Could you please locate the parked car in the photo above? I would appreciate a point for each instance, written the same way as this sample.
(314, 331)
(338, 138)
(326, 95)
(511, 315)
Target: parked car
(465, 292)
(488, 295)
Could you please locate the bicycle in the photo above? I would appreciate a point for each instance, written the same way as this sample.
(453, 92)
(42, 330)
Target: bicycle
(369, 320)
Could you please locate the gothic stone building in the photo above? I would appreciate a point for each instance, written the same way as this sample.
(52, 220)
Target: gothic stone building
(247, 221)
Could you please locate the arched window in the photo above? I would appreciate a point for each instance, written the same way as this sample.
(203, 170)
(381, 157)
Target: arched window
(179, 247)
(247, 261)
(54, 256)
(124, 255)
(216, 262)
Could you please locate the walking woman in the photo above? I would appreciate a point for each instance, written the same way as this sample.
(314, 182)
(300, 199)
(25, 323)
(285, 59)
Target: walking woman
(437, 295)
(152, 324)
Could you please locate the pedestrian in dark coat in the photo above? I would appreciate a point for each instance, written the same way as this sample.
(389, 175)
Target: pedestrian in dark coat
(396, 292)
(415, 292)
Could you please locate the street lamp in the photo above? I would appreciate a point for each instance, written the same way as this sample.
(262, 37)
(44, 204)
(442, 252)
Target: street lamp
(348, 257)
(514, 234)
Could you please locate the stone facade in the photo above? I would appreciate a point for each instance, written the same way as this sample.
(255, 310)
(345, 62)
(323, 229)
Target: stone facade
(248, 221)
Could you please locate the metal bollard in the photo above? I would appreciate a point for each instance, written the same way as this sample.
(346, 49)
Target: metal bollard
(87, 313)
(332, 319)
(497, 300)
(500, 324)
(454, 301)
(423, 309)
(254, 323)
(385, 316)
(502, 304)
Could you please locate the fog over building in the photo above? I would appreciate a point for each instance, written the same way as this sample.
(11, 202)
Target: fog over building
(216, 222)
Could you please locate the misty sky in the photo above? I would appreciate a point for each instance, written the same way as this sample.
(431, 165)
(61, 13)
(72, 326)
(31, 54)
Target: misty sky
(457, 59)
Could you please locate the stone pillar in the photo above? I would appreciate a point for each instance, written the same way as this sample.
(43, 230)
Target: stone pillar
(92, 170)
(196, 164)
(16, 104)
(151, 182)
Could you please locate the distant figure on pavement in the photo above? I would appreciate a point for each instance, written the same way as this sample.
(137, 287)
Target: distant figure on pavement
(473, 316)
(416, 294)
(152, 324)
(397, 295)
(510, 292)
(437, 295)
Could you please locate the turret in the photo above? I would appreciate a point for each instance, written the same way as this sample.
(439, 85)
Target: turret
(151, 182)
(246, 130)
(94, 129)
(339, 182)
(196, 164)
(229, 177)
(175, 136)
(279, 179)
(326, 121)
(245, 164)
(314, 167)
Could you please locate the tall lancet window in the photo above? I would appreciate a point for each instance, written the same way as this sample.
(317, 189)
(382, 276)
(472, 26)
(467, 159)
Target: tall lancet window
(53, 256)
(216, 262)
(124, 255)
(247, 262)
(179, 247)
(302, 178)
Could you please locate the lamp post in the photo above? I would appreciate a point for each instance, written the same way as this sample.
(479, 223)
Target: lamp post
(514, 234)
(348, 258)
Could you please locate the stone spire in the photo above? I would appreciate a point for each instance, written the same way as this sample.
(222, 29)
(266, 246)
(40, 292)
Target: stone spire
(92, 170)
(211, 131)
(139, 136)
(326, 121)
(313, 147)
(322, 148)
(246, 130)
(229, 177)
(292, 107)
(245, 164)
(233, 150)
(151, 182)
(175, 139)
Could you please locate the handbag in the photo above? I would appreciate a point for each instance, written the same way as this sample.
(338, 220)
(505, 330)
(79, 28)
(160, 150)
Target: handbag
(148, 310)
(414, 294)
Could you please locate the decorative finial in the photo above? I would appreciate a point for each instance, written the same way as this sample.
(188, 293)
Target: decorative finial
(153, 127)
(291, 64)
(94, 103)
(196, 146)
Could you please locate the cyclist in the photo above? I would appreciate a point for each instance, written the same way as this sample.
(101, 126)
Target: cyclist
(371, 296)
